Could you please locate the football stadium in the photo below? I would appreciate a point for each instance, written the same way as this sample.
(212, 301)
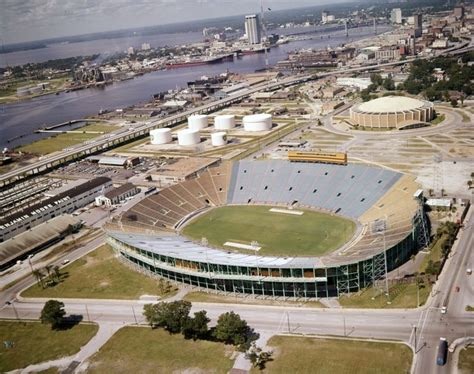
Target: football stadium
(275, 228)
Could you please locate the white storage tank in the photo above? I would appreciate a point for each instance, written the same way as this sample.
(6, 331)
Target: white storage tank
(188, 137)
(197, 122)
(160, 136)
(257, 122)
(224, 122)
(219, 138)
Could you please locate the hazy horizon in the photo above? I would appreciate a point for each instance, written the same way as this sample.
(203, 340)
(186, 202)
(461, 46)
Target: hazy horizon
(33, 20)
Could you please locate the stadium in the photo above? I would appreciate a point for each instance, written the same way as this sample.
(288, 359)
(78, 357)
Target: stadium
(275, 228)
(392, 112)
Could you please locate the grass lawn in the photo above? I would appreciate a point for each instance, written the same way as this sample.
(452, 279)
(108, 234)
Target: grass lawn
(34, 342)
(439, 118)
(204, 297)
(99, 275)
(143, 350)
(401, 296)
(466, 360)
(332, 356)
(311, 234)
(64, 140)
(434, 254)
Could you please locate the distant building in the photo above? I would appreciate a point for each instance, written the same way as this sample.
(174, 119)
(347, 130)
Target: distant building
(388, 54)
(396, 16)
(324, 16)
(418, 25)
(117, 195)
(459, 12)
(130, 51)
(252, 29)
(146, 47)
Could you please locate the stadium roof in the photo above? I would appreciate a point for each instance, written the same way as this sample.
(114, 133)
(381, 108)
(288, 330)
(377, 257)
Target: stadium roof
(391, 104)
(185, 249)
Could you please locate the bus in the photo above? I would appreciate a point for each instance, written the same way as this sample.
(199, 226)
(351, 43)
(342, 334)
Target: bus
(442, 354)
(325, 158)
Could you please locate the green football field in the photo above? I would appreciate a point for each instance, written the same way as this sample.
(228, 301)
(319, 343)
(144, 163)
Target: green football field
(280, 234)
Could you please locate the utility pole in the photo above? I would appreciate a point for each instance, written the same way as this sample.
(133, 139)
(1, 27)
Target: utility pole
(288, 322)
(264, 29)
(386, 266)
(134, 315)
(87, 312)
(12, 303)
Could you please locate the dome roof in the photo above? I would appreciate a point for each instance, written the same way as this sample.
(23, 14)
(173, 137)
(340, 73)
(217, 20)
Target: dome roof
(390, 104)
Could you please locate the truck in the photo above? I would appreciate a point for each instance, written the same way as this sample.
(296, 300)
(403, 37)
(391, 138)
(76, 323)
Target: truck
(442, 354)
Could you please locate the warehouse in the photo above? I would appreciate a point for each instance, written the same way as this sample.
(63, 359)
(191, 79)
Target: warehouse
(65, 202)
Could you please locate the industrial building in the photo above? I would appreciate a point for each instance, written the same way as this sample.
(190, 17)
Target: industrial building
(391, 228)
(65, 202)
(392, 112)
(181, 169)
(252, 29)
(117, 195)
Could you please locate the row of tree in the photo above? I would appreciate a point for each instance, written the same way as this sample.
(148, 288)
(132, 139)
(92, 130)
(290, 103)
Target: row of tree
(49, 275)
(446, 233)
(175, 318)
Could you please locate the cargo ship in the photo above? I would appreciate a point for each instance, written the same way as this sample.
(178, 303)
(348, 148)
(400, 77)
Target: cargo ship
(199, 61)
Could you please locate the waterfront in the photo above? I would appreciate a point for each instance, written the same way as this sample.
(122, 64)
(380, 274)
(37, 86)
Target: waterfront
(23, 118)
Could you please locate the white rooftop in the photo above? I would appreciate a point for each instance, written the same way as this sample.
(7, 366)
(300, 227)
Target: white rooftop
(391, 104)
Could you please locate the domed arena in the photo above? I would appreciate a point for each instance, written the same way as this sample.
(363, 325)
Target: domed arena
(392, 112)
(275, 228)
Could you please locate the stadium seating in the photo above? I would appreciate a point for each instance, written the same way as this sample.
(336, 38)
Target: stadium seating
(369, 195)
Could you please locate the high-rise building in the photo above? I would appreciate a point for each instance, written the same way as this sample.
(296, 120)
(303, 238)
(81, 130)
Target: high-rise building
(418, 24)
(252, 29)
(459, 12)
(396, 16)
(324, 16)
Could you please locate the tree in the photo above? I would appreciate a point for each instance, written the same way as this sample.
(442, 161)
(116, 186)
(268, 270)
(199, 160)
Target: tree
(197, 327)
(57, 272)
(171, 316)
(53, 313)
(231, 329)
(454, 103)
(257, 356)
(388, 84)
(469, 184)
(39, 277)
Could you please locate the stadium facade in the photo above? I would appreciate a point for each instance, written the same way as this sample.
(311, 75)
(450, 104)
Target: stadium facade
(391, 228)
(392, 112)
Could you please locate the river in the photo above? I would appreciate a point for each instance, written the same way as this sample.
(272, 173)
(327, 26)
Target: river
(20, 120)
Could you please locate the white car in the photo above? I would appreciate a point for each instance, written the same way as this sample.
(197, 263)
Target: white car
(65, 262)
(469, 271)
(444, 309)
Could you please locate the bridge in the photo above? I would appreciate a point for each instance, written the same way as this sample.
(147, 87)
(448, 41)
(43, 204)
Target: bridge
(118, 137)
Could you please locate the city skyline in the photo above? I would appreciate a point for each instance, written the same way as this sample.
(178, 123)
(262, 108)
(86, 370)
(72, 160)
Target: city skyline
(51, 18)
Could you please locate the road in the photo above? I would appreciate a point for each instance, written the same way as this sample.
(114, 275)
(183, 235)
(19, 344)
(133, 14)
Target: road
(397, 324)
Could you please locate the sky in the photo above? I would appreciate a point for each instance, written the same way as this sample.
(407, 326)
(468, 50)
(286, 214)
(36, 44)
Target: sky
(27, 20)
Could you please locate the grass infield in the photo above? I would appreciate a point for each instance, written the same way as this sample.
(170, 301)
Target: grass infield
(334, 356)
(279, 234)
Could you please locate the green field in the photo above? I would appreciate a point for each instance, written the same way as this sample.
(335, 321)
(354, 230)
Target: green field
(279, 234)
(401, 296)
(99, 275)
(466, 360)
(64, 140)
(143, 350)
(34, 342)
(332, 356)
